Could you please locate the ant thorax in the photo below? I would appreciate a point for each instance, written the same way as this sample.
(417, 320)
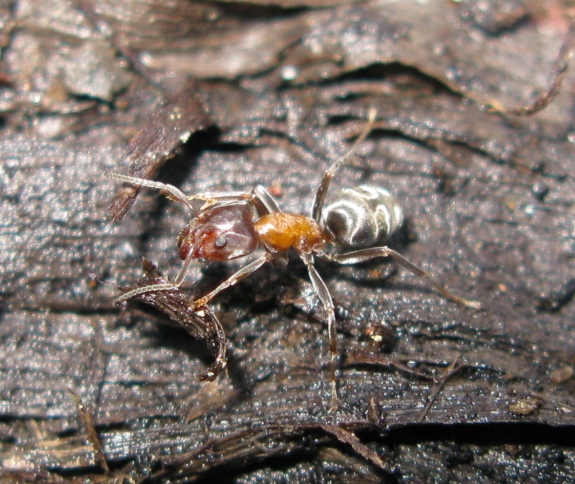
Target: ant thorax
(362, 216)
(279, 232)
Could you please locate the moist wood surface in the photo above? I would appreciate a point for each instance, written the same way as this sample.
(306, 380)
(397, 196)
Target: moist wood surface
(278, 91)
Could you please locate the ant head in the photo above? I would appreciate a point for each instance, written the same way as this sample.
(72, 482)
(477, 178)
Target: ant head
(220, 233)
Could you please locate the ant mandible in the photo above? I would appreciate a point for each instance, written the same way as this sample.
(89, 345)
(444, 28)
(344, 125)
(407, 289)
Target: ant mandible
(231, 225)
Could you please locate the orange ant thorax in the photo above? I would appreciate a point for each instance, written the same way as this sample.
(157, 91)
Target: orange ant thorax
(280, 231)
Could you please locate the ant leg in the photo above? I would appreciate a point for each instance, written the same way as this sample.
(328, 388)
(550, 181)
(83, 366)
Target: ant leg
(233, 279)
(259, 194)
(331, 171)
(371, 253)
(213, 198)
(172, 192)
(266, 199)
(198, 303)
(325, 297)
(184, 270)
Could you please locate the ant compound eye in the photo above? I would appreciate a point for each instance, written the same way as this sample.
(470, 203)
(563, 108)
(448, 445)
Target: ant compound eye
(220, 243)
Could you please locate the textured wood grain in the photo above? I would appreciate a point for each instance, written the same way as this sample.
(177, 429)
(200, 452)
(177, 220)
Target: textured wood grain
(490, 206)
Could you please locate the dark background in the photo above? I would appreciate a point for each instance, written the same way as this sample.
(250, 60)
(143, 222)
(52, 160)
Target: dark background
(282, 88)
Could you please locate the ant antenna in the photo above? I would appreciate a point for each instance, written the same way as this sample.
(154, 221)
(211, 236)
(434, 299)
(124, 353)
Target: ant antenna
(170, 191)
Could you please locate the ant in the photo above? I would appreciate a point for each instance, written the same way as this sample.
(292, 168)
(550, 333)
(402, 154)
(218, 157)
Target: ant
(233, 225)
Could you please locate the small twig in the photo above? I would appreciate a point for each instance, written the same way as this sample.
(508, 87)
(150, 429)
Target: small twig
(453, 368)
(87, 417)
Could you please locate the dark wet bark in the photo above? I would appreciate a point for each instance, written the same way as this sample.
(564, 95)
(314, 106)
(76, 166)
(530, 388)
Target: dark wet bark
(428, 389)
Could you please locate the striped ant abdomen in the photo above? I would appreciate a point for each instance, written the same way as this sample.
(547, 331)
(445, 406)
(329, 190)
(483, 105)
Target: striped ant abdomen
(362, 216)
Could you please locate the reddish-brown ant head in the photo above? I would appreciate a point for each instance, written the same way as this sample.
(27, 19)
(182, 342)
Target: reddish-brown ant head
(221, 233)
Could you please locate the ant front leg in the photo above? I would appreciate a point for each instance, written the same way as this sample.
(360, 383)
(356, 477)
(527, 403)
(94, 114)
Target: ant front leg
(233, 279)
(367, 254)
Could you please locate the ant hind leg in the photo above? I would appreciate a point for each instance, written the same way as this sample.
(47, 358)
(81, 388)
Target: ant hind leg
(371, 253)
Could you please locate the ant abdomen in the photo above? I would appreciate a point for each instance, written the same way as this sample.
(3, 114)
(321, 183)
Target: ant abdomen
(362, 216)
